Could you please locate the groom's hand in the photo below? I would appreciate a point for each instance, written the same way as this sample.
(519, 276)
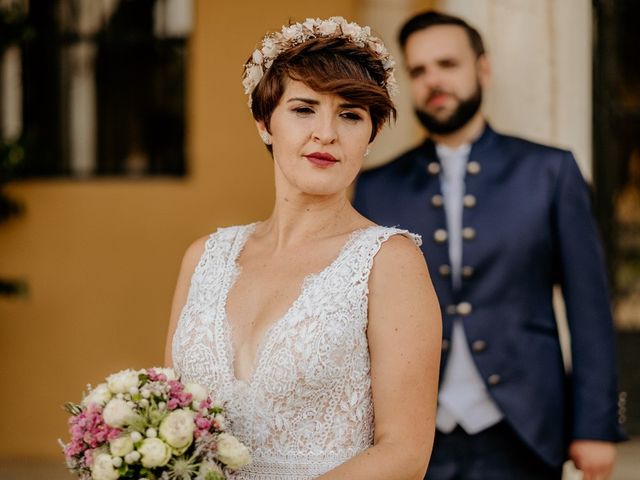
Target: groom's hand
(593, 458)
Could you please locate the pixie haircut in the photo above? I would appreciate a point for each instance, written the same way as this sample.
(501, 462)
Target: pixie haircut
(432, 18)
(327, 65)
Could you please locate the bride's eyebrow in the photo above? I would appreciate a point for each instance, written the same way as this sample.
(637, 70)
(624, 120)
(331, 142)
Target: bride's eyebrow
(305, 100)
(352, 105)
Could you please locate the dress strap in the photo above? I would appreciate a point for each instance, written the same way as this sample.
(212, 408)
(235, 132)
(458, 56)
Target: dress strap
(364, 249)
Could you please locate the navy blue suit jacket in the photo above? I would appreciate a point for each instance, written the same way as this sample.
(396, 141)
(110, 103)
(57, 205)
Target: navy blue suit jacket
(528, 225)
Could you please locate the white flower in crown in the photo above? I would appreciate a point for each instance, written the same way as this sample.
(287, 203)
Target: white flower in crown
(269, 47)
(253, 74)
(391, 84)
(274, 44)
(377, 46)
(310, 24)
(292, 32)
(328, 28)
(257, 56)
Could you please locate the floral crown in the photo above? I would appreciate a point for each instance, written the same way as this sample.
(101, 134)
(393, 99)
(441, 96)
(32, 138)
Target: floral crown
(273, 44)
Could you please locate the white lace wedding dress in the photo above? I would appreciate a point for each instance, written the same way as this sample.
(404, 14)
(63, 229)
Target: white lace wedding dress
(307, 406)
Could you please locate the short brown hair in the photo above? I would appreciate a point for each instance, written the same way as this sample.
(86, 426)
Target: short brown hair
(432, 18)
(327, 65)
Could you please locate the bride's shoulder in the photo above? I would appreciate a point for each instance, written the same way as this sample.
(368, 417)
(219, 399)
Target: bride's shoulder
(397, 253)
(197, 248)
(392, 238)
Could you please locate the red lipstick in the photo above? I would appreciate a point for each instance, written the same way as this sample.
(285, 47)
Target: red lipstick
(321, 159)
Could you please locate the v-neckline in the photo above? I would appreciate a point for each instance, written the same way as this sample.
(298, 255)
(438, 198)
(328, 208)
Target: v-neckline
(233, 271)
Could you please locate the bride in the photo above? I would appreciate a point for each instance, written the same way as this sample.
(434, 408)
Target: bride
(318, 330)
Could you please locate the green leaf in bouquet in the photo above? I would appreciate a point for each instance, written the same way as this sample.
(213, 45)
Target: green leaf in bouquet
(211, 471)
(123, 470)
(156, 416)
(214, 476)
(73, 408)
(146, 473)
(138, 424)
(143, 379)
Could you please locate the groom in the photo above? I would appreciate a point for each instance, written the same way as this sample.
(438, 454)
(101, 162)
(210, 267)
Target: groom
(503, 220)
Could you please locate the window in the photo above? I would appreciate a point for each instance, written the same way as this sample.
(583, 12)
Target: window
(91, 88)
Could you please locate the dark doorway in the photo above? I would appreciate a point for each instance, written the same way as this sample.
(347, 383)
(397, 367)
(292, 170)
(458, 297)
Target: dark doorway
(616, 125)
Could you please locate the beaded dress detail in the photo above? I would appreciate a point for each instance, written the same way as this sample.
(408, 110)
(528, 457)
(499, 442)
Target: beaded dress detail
(307, 406)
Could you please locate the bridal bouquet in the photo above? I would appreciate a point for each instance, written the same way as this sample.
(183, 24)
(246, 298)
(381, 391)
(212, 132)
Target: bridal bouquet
(146, 424)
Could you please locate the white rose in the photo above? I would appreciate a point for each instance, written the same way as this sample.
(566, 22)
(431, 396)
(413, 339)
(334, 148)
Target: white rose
(210, 471)
(177, 428)
(118, 413)
(132, 457)
(231, 452)
(155, 453)
(98, 396)
(120, 446)
(197, 391)
(328, 27)
(103, 469)
(122, 381)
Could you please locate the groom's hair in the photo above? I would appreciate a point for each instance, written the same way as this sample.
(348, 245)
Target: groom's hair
(431, 18)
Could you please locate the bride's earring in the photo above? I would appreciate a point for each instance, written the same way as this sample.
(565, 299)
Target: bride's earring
(266, 138)
(367, 152)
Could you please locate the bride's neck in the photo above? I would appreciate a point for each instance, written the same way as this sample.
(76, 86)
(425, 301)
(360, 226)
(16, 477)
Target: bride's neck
(303, 218)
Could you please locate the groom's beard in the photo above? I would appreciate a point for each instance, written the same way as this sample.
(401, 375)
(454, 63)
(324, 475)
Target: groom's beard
(466, 110)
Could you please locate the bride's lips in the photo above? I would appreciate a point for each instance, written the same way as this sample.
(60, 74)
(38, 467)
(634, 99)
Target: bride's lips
(321, 159)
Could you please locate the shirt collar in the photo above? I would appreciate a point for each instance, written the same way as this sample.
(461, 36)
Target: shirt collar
(453, 160)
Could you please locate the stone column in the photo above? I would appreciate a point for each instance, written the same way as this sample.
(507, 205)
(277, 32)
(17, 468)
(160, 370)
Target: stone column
(541, 57)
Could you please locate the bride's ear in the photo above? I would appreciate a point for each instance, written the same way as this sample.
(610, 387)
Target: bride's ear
(263, 132)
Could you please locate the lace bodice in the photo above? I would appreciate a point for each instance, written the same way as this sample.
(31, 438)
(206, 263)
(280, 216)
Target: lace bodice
(307, 406)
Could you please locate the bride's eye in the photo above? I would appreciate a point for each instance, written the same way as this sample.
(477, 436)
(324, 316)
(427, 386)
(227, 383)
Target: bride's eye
(351, 116)
(303, 110)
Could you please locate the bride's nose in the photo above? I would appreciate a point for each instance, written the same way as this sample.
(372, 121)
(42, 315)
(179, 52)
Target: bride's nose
(324, 130)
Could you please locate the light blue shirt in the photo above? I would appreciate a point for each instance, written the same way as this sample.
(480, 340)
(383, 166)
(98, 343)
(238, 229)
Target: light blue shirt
(463, 398)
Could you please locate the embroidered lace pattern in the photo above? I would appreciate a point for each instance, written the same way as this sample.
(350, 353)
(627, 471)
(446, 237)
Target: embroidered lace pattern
(307, 407)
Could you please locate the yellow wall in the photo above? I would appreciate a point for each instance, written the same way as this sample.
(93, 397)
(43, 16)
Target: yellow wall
(101, 256)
